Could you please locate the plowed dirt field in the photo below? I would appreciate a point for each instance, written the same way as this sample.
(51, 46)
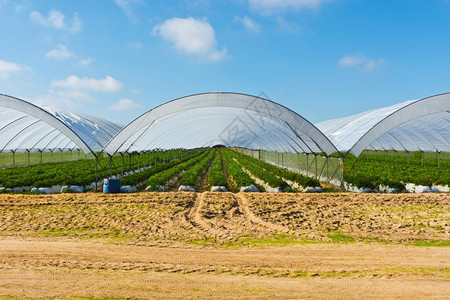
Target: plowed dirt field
(224, 245)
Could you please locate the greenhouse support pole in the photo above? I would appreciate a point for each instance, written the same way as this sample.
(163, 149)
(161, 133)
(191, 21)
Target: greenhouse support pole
(395, 153)
(439, 158)
(41, 155)
(421, 160)
(129, 162)
(121, 154)
(307, 164)
(315, 158)
(14, 158)
(28, 154)
(144, 159)
(96, 171)
(110, 166)
(407, 157)
(342, 165)
(138, 160)
(328, 179)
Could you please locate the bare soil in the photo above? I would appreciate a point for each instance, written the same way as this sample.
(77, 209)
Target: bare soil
(224, 245)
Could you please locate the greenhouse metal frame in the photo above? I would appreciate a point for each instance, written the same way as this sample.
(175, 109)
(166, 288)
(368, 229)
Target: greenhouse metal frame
(232, 120)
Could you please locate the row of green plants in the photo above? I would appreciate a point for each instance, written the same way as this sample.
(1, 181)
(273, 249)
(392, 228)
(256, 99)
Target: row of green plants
(363, 173)
(216, 176)
(164, 178)
(262, 168)
(193, 176)
(137, 178)
(417, 158)
(254, 166)
(81, 172)
(237, 176)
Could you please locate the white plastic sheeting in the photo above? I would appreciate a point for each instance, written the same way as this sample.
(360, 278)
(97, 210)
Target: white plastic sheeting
(228, 119)
(418, 125)
(26, 127)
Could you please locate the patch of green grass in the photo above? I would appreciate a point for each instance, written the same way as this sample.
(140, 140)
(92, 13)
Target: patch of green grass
(113, 235)
(203, 242)
(373, 239)
(337, 236)
(278, 240)
(431, 243)
(62, 232)
(275, 240)
(300, 273)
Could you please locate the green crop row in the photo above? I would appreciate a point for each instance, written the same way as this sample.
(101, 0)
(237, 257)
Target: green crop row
(254, 166)
(216, 175)
(266, 168)
(163, 178)
(363, 173)
(147, 173)
(80, 172)
(237, 176)
(192, 176)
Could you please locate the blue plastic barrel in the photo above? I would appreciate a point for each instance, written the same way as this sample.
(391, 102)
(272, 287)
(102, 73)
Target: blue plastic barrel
(111, 186)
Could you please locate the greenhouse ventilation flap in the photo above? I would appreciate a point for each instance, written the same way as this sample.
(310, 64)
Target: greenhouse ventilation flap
(27, 127)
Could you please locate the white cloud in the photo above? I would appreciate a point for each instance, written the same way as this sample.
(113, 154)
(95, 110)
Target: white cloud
(86, 61)
(351, 60)
(61, 100)
(286, 26)
(60, 52)
(360, 60)
(108, 84)
(56, 19)
(275, 6)
(249, 24)
(125, 6)
(135, 45)
(125, 104)
(8, 68)
(191, 36)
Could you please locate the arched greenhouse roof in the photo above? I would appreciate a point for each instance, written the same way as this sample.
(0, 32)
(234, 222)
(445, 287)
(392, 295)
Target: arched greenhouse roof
(27, 127)
(230, 119)
(417, 125)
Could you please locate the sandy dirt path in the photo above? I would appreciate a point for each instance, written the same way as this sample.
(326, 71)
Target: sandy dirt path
(224, 245)
(53, 267)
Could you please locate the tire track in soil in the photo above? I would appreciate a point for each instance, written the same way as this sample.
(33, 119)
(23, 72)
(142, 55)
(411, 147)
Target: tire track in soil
(194, 218)
(246, 209)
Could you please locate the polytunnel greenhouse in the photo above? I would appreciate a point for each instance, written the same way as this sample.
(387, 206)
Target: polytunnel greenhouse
(27, 127)
(252, 125)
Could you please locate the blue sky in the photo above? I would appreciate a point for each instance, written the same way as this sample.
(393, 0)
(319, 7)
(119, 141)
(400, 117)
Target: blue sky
(322, 58)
